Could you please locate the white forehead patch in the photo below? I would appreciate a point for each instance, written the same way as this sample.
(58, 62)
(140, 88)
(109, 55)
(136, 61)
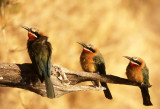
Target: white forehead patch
(34, 29)
(135, 58)
(90, 45)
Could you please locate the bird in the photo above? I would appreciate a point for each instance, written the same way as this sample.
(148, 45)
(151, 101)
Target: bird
(40, 51)
(91, 60)
(137, 71)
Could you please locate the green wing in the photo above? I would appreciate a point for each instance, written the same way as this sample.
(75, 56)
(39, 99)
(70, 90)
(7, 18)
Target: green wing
(41, 59)
(145, 72)
(99, 63)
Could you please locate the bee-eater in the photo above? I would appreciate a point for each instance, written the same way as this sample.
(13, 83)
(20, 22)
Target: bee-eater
(137, 71)
(40, 51)
(92, 61)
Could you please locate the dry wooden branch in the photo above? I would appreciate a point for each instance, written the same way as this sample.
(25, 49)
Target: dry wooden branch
(64, 80)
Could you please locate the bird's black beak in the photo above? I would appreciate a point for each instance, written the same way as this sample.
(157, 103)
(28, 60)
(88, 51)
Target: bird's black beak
(84, 45)
(128, 58)
(28, 29)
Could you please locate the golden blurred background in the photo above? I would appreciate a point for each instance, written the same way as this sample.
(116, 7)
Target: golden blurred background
(116, 27)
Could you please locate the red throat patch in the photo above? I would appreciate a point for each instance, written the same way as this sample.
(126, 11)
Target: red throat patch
(31, 36)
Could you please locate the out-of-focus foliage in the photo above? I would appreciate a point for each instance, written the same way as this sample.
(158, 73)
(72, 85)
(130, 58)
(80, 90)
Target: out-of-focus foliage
(118, 28)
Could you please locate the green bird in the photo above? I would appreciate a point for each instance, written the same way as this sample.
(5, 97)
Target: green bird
(137, 71)
(40, 51)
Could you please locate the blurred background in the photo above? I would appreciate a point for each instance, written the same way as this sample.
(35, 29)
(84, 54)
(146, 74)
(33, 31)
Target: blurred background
(117, 27)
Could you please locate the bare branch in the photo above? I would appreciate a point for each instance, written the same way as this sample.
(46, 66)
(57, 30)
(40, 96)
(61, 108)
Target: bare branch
(64, 80)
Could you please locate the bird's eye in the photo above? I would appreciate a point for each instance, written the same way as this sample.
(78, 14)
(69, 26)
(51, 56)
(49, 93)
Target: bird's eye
(90, 45)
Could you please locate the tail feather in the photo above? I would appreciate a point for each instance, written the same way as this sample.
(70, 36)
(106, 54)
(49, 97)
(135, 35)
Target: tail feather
(49, 88)
(107, 92)
(146, 96)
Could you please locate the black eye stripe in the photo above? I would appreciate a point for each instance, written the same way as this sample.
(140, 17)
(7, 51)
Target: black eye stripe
(91, 49)
(137, 62)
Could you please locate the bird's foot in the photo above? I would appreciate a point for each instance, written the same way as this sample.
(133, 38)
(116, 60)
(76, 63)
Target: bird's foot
(145, 85)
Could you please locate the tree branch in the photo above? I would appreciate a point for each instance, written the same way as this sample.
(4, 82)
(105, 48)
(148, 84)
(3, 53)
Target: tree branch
(64, 80)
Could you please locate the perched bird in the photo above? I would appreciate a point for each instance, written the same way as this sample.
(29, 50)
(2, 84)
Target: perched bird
(40, 51)
(92, 61)
(137, 71)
